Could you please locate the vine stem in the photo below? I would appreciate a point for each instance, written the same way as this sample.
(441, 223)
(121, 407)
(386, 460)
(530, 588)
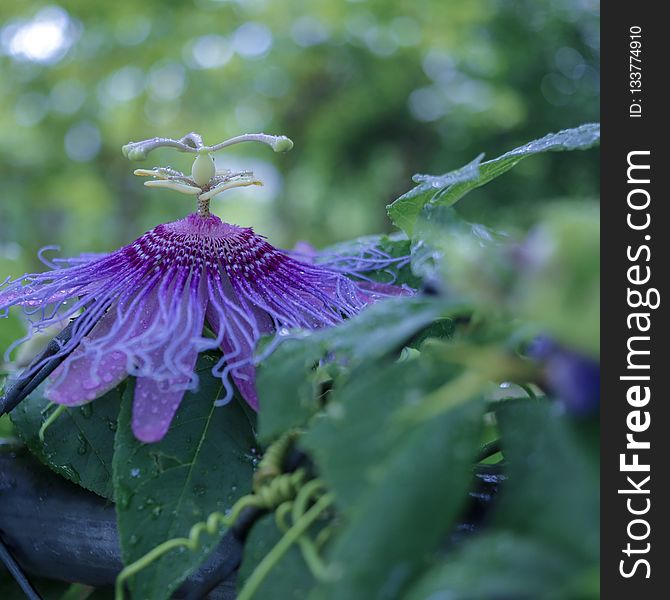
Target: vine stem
(60, 409)
(290, 537)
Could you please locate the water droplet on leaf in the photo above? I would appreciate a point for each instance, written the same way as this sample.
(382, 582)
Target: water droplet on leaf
(82, 448)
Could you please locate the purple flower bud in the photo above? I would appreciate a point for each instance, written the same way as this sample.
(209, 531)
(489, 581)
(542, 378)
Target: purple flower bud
(571, 376)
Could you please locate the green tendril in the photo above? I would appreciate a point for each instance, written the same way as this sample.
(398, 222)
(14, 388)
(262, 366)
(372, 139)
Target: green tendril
(308, 548)
(60, 409)
(324, 535)
(281, 513)
(283, 545)
(276, 492)
(271, 465)
(285, 493)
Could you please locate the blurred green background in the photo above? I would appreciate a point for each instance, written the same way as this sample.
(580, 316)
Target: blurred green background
(371, 92)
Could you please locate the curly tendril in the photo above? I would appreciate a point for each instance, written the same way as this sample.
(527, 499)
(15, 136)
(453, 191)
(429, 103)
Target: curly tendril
(286, 493)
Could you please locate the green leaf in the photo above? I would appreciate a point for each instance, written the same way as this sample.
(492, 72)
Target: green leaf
(445, 244)
(288, 386)
(79, 444)
(288, 382)
(502, 565)
(543, 541)
(289, 578)
(553, 487)
(451, 187)
(392, 476)
(203, 465)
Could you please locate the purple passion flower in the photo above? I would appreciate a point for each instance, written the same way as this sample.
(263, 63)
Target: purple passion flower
(198, 283)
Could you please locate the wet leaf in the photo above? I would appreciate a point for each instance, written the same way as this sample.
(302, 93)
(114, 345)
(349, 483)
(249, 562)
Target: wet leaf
(203, 465)
(502, 565)
(447, 189)
(400, 484)
(79, 444)
(542, 448)
(289, 381)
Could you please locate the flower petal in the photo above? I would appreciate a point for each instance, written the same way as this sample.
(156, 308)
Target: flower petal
(154, 406)
(157, 398)
(85, 375)
(100, 361)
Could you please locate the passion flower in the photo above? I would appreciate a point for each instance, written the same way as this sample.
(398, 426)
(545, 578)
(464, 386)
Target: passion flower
(198, 283)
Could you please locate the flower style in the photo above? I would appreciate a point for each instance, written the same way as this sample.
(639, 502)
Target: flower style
(198, 283)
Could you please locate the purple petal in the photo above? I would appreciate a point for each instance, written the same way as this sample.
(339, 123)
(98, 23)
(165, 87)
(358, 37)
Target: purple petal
(84, 376)
(154, 407)
(100, 362)
(156, 400)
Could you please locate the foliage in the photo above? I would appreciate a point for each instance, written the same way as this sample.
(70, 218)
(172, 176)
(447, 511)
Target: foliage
(387, 415)
(161, 490)
(79, 445)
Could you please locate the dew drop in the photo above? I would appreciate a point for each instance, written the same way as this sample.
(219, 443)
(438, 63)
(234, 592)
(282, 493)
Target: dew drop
(135, 472)
(86, 410)
(82, 448)
(70, 473)
(89, 384)
(122, 498)
(199, 490)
